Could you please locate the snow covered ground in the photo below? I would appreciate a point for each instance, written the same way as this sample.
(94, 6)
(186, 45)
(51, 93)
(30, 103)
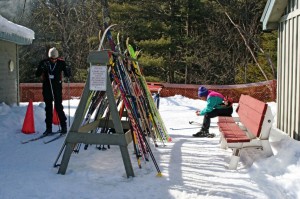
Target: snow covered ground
(191, 167)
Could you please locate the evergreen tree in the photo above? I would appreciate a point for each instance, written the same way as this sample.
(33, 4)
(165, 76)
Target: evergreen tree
(180, 41)
(69, 26)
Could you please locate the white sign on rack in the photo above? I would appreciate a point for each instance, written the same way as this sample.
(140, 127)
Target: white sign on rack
(98, 78)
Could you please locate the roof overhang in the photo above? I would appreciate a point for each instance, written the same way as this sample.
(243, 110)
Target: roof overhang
(273, 11)
(15, 33)
(15, 38)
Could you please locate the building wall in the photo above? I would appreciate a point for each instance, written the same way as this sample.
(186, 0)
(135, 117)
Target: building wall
(8, 78)
(288, 69)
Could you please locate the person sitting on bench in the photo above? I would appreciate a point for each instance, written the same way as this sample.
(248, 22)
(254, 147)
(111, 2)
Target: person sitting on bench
(217, 105)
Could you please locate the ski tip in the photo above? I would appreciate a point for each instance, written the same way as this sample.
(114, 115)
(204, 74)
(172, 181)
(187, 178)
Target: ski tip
(159, 174)
(139, 163)
(169, 139)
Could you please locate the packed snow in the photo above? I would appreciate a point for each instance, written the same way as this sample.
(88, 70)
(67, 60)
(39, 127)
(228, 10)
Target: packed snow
(191, 167)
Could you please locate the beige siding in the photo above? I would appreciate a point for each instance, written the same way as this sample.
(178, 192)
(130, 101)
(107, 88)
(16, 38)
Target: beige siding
(8, 79)
(280, 50)
(297, 82)
(288, 118)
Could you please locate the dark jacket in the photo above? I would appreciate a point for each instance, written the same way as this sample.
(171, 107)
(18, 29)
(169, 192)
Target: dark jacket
(49, 71)
(46, 68)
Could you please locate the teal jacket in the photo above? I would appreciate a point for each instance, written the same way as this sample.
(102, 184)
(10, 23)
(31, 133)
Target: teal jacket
(214, 101)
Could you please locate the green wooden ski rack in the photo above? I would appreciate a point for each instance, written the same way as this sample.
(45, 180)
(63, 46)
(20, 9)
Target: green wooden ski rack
(80, 134)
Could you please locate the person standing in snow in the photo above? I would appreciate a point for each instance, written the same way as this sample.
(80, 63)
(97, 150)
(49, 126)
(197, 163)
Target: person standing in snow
(156, 98)
(217, 105)
(50, 70)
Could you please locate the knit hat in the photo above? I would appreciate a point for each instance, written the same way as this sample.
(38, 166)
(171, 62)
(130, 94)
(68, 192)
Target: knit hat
(202, 91)
(53, 53)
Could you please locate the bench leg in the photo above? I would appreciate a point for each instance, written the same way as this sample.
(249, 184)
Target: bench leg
(235, 158)
(267, 147)
(223, 143)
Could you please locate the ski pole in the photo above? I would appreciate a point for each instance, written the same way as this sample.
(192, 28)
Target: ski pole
(69, 98)
(53, 97)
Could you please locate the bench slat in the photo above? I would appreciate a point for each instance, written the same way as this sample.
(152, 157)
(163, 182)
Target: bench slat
(233, 133)
(253, 118)
(224, 119)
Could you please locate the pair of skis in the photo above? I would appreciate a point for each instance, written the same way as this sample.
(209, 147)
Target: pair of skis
(197, 124)
(55, 138)
(58, 135)
(210, 135)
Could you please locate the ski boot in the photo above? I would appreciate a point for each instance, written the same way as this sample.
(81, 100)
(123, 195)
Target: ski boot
(201, 133)
(47, 132)
(63, 130)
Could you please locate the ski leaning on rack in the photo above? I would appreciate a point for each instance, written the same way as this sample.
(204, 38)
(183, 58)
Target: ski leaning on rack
(39, 137)
(55, 138)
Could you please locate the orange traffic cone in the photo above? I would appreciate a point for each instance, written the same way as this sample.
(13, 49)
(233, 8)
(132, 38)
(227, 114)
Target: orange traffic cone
(55, 119)
(28, 124)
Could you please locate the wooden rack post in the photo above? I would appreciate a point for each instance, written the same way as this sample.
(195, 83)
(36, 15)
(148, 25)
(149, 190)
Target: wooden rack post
(80, 134)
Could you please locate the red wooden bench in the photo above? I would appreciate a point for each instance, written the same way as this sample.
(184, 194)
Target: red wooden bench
(250, 130)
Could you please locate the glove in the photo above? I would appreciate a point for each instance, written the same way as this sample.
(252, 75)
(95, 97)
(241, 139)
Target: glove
(68, 72)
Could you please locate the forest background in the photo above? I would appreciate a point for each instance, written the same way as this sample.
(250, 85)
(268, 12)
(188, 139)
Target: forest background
(180, 41)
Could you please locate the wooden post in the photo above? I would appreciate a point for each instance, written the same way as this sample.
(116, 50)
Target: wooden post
(80, 133)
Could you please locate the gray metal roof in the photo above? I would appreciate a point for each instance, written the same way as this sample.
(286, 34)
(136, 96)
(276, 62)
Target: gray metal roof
(273, 11)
